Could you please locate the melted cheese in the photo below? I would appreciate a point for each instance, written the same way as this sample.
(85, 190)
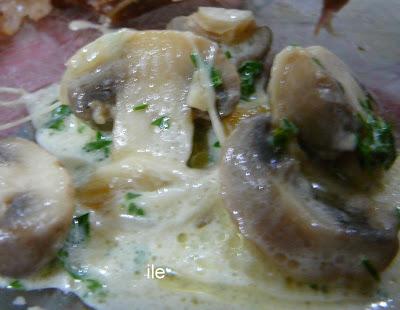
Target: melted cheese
(185, 228)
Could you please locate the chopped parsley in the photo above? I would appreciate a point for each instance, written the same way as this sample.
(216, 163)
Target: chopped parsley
(16, 284)
(216, 78)
(217, 144)
(76, 272)
(80, 231)
(141, 107)
(133, 209)
(131, 206)
(79, 234)
(249, 71)
(96, 288)
(80, 274)
(93, 285)
(366, 104)
(281, 136)
(162, 122)
(196, 60)
(130, 196)
(375, 142)
(102, 143)
(228, 54)
(81, 128)
(371, 269)
(215, 74)
(58, 116)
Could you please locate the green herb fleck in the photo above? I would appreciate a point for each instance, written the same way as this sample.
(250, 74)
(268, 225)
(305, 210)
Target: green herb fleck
(249, 72)
(281, 136)
(79, 233)
(228, 54)
(81, 128)
(102, 142)
(80, 228)
(162, 122)
(16, 284)
(75, 272)
(130, 196)
(58, 116)
(215, 74)
(375, 142)
(371, 269)
(93, 285)
(141, 107)
(63, 258)
(62, 254)
(217, 144)
(318, 62)
(131, 206)
(196, 60)
(216, 78)
(133, 209)
(366, 104)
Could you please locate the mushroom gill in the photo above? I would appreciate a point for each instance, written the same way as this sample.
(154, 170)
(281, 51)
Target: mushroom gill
(235, 30)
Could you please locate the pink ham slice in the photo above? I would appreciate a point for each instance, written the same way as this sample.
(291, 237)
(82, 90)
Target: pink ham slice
(35, 56)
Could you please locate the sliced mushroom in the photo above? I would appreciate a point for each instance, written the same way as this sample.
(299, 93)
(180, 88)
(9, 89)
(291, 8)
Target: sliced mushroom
(315, 90)
(227, 95)
(235, 30)
(224, 25)
(36, 207)
(93, 96)
(91, 89)
(151, 69)
(256, 47)
(309, 233)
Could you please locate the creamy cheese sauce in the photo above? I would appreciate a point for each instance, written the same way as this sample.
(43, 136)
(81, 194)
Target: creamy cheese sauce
(179, 223)
(184, 229)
